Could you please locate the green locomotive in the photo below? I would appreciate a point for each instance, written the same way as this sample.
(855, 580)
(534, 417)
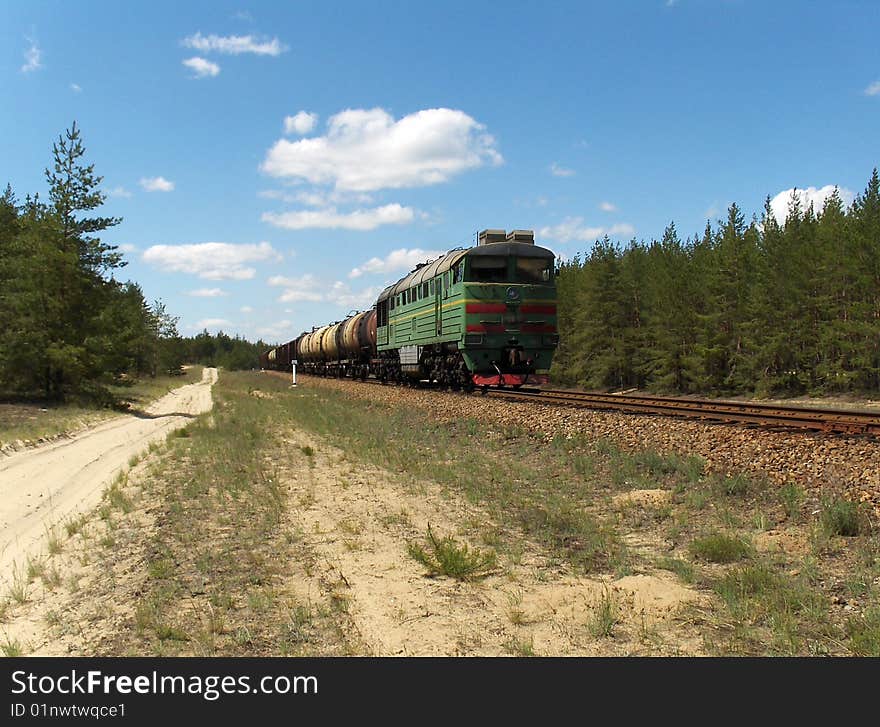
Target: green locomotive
(477, 317)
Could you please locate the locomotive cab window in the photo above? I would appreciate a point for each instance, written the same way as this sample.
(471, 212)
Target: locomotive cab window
(534, 270)
(487, 269)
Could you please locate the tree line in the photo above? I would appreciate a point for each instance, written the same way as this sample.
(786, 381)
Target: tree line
(68, 327)
(764, 308)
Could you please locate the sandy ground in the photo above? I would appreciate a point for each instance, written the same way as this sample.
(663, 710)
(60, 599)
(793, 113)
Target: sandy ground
(356, 520)
(42, 488)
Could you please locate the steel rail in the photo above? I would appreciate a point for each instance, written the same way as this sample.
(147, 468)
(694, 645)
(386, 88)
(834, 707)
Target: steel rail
(823, 420)
(831, 421)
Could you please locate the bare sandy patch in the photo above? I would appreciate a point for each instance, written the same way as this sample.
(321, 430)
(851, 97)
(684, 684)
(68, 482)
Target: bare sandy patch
(650, 498)
(790, 542)
(358, 519)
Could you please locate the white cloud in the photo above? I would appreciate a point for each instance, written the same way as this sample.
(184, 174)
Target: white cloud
(128, 247)
(808, 196)
(75, 87)
(607, 207)
(317, 198)
(118, 192)
(309, 288)
(329, 218)
(301, 124)
(367, 150)
(401, 260)
(156, 184)
(873, 89)
(32, 58)
(572, 229)
(235, 44)
(207, 293)
(342, 295)
(246, 309)
(213, 323)
(211, 260)
(276, 331)
(559, 171)
(306, 287)
(201, 67)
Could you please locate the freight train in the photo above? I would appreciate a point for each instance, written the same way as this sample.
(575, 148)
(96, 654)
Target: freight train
(483, 316)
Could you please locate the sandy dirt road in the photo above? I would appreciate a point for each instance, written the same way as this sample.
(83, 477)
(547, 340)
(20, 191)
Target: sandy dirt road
(42, 488)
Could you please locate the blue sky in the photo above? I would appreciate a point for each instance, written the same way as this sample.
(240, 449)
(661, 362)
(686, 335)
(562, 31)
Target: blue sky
(277, 164)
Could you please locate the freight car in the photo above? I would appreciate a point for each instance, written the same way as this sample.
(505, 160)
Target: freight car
(475, 317)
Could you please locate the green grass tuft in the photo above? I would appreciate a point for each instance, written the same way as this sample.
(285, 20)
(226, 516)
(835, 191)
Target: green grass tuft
(719, 548)
(445, 557)
(841, 517)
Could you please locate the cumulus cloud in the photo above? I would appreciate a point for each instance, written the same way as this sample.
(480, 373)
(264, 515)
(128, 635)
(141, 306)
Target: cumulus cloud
(873, 89)
(367, 150)
(330, 218)
(310, 289)
(213, 323)
(207, 293)
(235, 44)
(301, 124)
(119, 192)
(607, 207)
(156, 184)
(276, 331)
(342, 295)
(806, 197)
(317, 198)
(560, 171)
(32, 58)
(307, 287)
(401, 260)
(211, 260)
(572, 229)
(201, 67)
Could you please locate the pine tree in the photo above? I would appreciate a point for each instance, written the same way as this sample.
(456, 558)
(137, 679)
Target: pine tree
(80, 354)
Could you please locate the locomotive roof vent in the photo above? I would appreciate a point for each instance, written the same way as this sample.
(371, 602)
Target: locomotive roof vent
(487, 237)
(527, 236)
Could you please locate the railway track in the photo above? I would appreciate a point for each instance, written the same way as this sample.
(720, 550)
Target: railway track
(773, 416)
(832, 421)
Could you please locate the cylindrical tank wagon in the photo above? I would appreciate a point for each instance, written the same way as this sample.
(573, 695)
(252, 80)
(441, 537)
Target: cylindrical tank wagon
(343, 348)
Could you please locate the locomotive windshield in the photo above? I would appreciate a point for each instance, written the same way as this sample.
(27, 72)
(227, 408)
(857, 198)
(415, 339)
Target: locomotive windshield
(504, 269)
(534, 270)
(488, 269)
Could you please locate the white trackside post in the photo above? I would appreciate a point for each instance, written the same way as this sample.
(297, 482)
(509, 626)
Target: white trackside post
(293, 363)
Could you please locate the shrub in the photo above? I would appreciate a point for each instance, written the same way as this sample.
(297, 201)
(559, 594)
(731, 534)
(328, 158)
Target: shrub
(841, 517)
(719, 548)
(446, 557)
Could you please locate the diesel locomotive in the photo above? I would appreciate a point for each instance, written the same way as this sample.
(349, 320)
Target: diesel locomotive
(476, 317)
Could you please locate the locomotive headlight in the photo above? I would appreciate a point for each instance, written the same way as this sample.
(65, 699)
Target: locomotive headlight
(512, 294)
